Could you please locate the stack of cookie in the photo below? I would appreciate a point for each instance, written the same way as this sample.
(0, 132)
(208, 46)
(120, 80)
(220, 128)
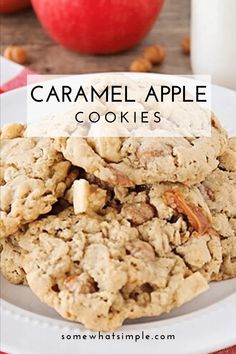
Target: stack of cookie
(104, 230)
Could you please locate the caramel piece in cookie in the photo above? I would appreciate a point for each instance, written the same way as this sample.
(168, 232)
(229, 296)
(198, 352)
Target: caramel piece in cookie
(33, 176)
(195, 215)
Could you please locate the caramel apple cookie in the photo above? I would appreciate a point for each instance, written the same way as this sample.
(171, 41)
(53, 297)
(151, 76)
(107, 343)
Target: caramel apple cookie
(33, 176)
(97, 270)
(135, 161)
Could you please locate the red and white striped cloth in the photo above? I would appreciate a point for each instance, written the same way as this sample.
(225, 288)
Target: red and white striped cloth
(13, 76)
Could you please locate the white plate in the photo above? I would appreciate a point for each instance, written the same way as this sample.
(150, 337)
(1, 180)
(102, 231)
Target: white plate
(203, 325)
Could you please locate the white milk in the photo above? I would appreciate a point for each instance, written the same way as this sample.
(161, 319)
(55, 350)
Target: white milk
(213, 40)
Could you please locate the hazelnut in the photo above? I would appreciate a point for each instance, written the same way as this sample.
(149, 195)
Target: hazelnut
(142, 250)
(119, 179)
(140, 65)
(81, 282)
(16, 54)
(155, 54)
(138, 213)
(185, 45)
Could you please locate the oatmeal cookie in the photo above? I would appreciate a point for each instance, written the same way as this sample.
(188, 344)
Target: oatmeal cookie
(134, 161)
(97, 270)
(33, 176)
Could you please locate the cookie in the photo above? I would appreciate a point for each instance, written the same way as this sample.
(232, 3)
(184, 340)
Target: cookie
(33, 177)
(135, 161)
(97, 270)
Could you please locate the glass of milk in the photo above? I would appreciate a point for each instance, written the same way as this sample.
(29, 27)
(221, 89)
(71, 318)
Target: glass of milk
(213, 40)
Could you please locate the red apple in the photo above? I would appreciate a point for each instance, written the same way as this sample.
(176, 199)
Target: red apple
(7, 6)
(97, 26)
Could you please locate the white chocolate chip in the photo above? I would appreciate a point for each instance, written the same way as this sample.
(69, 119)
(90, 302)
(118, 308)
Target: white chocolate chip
(87, 197)
(80, 196)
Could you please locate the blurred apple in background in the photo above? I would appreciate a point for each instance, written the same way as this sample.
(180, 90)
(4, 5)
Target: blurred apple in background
(97, 26)
(7, 6)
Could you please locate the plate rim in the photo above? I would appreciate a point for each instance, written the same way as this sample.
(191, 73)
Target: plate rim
(63, 323)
